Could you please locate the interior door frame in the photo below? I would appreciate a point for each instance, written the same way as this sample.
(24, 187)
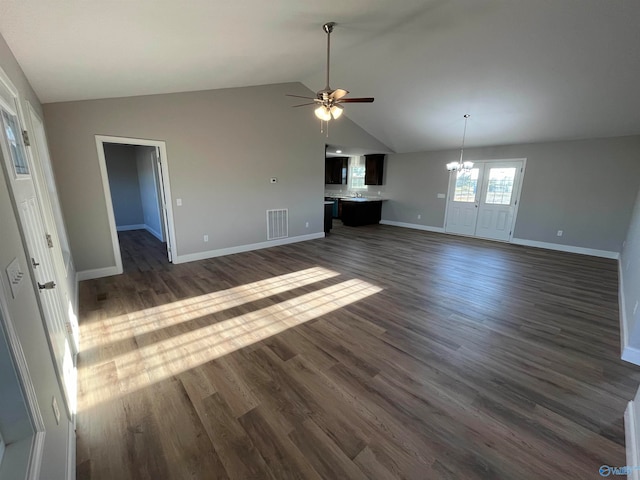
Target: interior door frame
(479, 194)
(166, 206)
(28, 391)
(13, 341)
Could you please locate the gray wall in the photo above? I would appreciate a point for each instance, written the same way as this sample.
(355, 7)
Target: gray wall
(122, 168)
(149, 190)
(222, 148)
(630, 270)
(586, 188)
(24, 309)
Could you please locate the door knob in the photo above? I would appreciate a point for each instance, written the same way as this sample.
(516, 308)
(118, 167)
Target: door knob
(47, 286)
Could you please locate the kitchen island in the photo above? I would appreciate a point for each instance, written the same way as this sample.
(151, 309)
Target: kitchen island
(361, 211)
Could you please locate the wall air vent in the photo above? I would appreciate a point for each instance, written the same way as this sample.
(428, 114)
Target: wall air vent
(277, 223)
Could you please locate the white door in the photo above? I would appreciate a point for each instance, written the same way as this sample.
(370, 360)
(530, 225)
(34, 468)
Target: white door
(498, 200)
(39, 245)
(462, 210)
(48, 195)
(483, 201)
(162, 201)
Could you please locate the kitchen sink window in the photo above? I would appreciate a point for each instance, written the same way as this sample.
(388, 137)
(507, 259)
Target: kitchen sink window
(357, 172)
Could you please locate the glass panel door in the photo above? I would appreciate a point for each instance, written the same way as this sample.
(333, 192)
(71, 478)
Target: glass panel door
(463, 202)
(496, 209)
(482, 201)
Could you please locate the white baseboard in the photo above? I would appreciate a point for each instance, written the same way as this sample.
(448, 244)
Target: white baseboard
(98, 273)
(631, 440)
(631, 355)
(415, 226)
(192, 257)
(126, 228)
(140, 226)
(153, 232)
(566, 248)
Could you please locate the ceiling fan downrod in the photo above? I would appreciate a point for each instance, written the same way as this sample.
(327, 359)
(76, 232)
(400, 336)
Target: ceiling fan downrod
(328, 28)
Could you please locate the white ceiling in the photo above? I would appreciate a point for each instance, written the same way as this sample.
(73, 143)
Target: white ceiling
(526, 70)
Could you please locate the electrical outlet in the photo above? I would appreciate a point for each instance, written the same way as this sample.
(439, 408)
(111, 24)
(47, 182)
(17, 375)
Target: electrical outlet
(179, 202)
(560, 232)
(306, 225)
(56, 410)
(206, 238)
(419, 216)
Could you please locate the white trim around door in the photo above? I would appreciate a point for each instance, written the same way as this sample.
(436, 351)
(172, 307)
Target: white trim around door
(165, 200)
(28, 392)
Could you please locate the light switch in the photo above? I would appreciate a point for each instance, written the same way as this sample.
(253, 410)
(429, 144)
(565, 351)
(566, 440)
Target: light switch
(441, 195)
(15, 276)
(179, 202)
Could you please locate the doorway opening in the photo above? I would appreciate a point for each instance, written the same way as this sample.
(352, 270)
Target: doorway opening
(135, 179)
(483, 201)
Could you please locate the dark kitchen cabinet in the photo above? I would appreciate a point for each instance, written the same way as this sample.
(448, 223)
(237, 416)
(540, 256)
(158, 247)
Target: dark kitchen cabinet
(335, 170)
(374, 169)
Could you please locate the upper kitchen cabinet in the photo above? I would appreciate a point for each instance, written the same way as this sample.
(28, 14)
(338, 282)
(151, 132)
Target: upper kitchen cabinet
(374, 169)
(335, 170)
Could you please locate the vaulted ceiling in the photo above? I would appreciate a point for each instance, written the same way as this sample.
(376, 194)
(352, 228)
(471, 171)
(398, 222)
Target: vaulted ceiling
(526, 70)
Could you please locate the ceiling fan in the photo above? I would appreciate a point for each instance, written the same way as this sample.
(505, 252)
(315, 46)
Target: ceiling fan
(328, 100)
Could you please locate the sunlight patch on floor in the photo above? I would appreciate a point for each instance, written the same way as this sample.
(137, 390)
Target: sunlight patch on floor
(148, 320)
(166, 357)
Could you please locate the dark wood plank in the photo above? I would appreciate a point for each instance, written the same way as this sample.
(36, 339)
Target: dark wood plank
(464, 359)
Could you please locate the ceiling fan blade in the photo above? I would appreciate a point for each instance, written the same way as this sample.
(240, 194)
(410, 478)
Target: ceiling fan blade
(356, 100)
(299, 96)
(304, 104)
(338, 93)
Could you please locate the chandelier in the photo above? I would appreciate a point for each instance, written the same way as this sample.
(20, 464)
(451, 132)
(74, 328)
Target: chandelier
(460, 166)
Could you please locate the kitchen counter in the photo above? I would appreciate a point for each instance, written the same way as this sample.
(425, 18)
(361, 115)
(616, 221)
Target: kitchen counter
(362, 199)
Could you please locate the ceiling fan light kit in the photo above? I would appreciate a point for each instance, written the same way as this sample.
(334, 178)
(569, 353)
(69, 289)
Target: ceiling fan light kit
(460, 165)
(328, 101)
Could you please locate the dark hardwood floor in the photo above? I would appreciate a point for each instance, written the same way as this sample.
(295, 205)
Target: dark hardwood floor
(377, 352)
